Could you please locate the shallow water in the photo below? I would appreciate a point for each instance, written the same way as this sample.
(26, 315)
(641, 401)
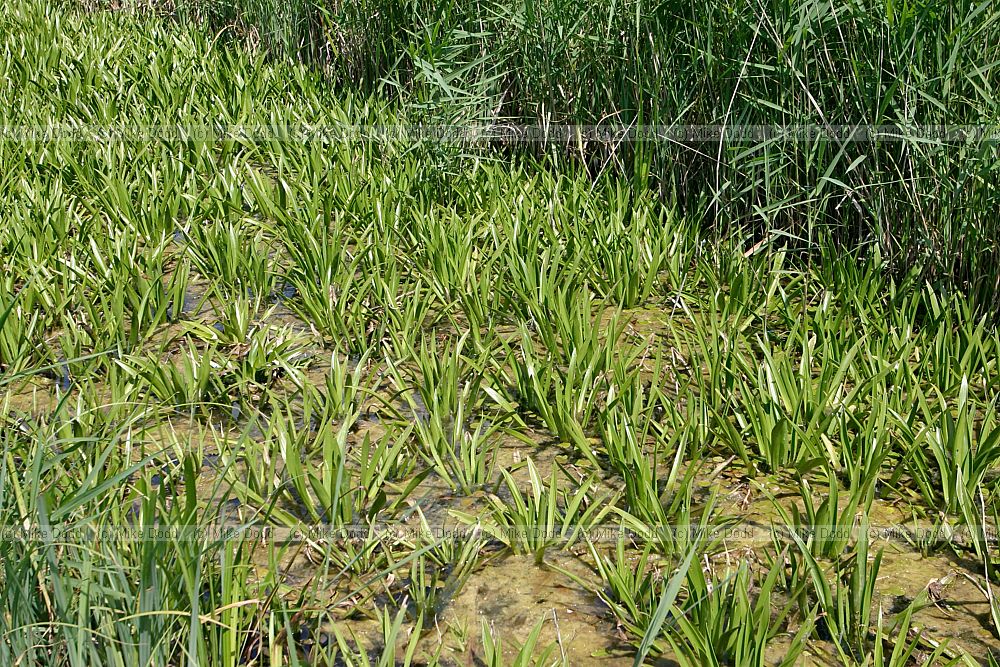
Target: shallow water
(511, 593)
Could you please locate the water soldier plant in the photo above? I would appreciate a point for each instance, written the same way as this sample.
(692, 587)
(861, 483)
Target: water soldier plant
(283, 396)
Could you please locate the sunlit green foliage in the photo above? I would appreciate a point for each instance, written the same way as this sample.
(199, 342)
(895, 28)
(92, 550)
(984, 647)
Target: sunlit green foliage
(388, 368)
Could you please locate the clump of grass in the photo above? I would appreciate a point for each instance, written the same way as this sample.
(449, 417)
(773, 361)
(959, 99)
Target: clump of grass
(720, 624)
(526, 656)
(456, 426)
(531, 522)
(952, 455)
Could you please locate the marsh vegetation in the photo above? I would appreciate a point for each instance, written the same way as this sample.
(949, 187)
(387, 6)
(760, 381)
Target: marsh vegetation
(275, 401)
